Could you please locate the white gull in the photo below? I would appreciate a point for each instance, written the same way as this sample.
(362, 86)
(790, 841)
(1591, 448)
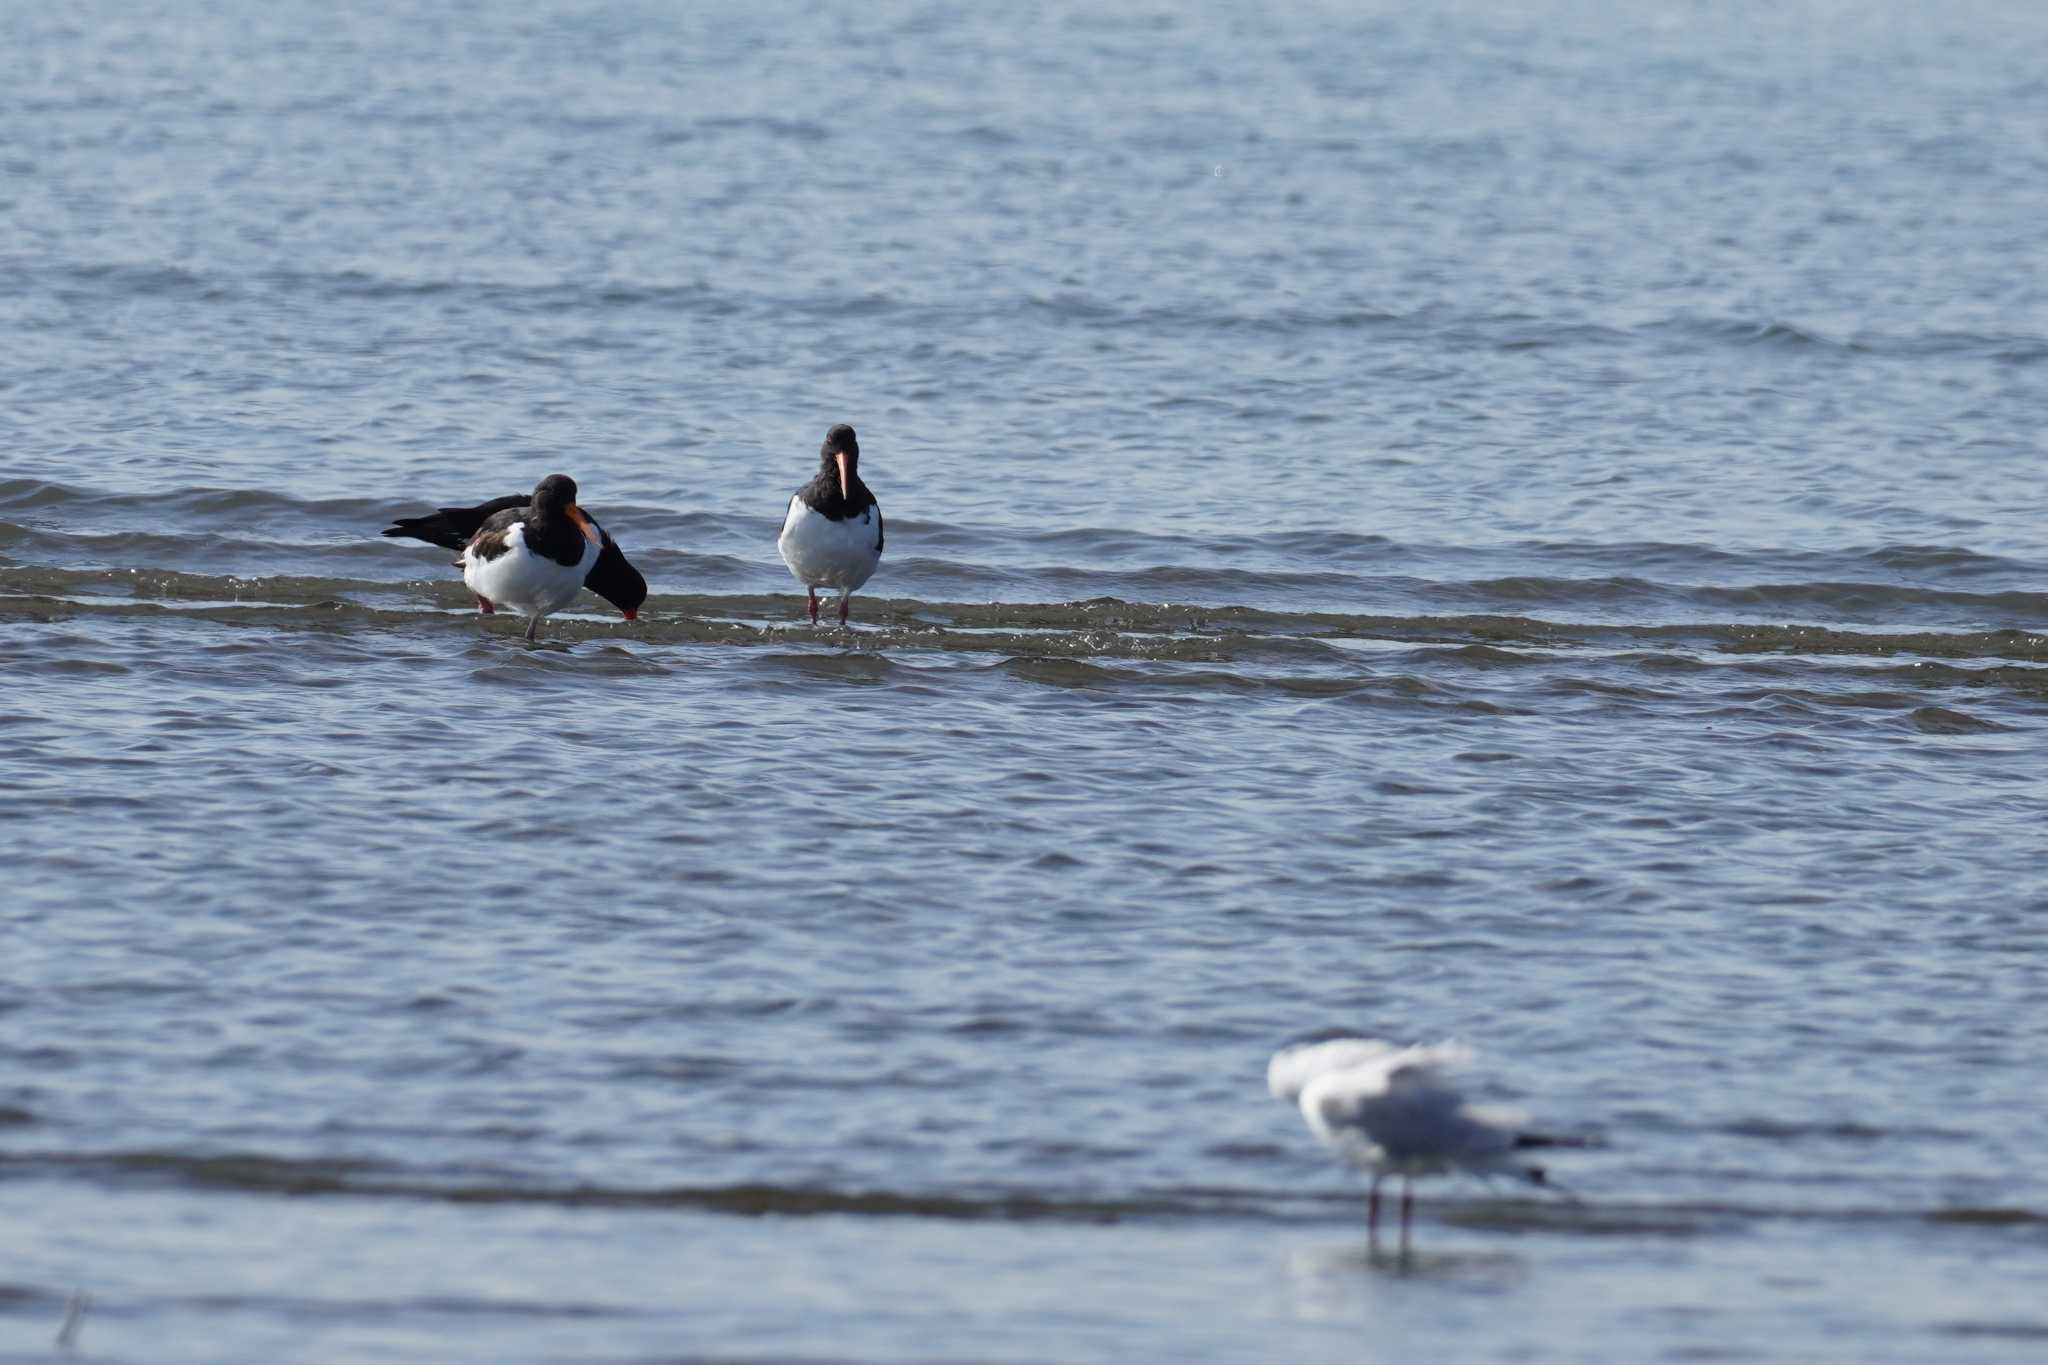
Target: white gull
(1394, 1111)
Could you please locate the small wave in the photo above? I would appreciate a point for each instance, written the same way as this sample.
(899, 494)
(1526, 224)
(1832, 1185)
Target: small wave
(2004, 1330)
(1939, 720)
(1988, 644)
(1067, 672)
(1486, 656)
(1686, 1218)
(1989, 1216)
(186, 510)
(122, 280)
(133, 280)
(1094, 310)
(369, 1310)
(301, 1178)
(1590, 1220)
(2006, 348)
(791, 130)
(1863, 600)
(1767, 332)
(1776, 1130)
(843, 668)
(1921, 559)
(17, 493)
(256, 1173)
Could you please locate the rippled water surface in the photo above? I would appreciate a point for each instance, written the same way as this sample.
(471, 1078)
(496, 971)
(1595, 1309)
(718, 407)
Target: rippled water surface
(1520, 522)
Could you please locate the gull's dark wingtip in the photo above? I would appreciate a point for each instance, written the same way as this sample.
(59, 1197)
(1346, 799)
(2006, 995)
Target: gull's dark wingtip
(1524, 1140)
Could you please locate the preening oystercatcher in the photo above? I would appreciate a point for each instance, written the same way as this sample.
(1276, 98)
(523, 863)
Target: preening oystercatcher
(832, 535)
(531, 555)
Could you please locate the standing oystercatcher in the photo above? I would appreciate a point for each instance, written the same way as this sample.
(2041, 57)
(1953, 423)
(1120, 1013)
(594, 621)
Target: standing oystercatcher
(531, 555)
(832, 537)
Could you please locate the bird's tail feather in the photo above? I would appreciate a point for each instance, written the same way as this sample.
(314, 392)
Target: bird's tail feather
(1556, 1140)
(435, 530)
(451, 527)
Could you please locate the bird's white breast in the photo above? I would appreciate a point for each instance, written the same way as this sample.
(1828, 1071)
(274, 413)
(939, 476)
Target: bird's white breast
(823, 553)
(520, 580)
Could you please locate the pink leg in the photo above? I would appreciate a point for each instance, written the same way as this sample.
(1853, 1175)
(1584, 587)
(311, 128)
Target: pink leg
(1372, 1209)
(483, 604)
(814, 606)
(844, 599)
(1407, 1204)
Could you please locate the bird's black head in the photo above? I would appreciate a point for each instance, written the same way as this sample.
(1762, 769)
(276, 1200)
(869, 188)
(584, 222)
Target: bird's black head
(555, 492)
(841, 455)
(555, 496)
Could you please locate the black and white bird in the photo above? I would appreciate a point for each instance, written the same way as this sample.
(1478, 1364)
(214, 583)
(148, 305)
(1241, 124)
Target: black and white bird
(1394, 1111)
(531, 555)
(832, 535)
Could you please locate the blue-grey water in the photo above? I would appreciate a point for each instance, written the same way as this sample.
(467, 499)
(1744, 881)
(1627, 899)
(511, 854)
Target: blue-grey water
(1520, 522)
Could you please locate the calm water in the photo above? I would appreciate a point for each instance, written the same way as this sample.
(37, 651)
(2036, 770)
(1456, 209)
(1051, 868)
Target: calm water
(1520, 522)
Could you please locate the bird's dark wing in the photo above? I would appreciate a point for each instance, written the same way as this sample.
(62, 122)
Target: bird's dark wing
(452, 527)
(492, 538)
(487, 545)
(878, 528)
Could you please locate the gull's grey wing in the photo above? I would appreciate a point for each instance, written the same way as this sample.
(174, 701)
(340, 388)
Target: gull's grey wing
(1419, 1116)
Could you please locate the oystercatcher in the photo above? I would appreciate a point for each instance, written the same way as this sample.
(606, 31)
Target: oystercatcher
(531, 554)
(832, 536)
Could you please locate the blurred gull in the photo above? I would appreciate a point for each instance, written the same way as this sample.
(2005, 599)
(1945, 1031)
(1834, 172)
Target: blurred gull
(1394, 1111)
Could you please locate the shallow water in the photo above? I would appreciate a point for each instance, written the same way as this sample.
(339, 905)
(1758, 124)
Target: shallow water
(1523, 526)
